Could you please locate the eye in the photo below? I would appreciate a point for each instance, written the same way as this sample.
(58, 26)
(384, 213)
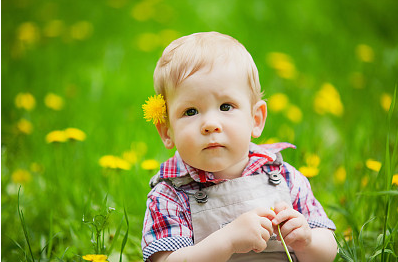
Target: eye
(226, 107)
(190, 112)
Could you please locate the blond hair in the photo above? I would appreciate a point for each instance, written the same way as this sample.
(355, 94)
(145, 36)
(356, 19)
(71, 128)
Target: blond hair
(187, 55)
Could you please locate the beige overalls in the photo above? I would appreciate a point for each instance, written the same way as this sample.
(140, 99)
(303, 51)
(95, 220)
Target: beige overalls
(214, 207)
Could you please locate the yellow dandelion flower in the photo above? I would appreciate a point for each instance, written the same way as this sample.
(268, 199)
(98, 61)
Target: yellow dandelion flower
(54, 101)
(395, 179)
(148, 42)
(56, 136)
(312, 160)
(28, 33)
(21, 176)
(373, 165)
(283, 64)
(385, 101)
(340, 174)
(357, 80)
(168, 35)
(364, 53)
(364, 181)
(309, 171)
(327, 100)
(95, 258)
(81, 30)
(75, 134)
(285, 132)
(36, 168)
(150, 164)
(278, 102)
(294, 114)
(114, 162)
(25, 126)
(143, 11)
(25, 101)
(53, 28)
(155, 109)
(130, 156)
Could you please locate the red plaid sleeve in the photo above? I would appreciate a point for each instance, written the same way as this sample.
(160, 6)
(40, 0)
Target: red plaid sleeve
(167, 222)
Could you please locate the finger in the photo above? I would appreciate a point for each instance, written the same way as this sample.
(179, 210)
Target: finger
(267, 225)
(291, 225)
(296, 235)
(260, 245)
(284, 215)
(281, 206)
(265, 212)
(265, 234)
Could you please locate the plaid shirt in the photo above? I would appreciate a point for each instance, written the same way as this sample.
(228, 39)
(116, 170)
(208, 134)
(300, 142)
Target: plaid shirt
(168, 223)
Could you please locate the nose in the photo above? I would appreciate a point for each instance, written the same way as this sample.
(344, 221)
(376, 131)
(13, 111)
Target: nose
(211, 125)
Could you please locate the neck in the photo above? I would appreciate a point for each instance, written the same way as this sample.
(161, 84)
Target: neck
(233, 171)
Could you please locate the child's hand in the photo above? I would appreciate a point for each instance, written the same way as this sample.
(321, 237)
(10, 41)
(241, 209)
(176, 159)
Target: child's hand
(295, 230)
(250, 231)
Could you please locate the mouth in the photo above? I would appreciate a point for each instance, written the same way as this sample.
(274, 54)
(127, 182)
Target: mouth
(214, 146)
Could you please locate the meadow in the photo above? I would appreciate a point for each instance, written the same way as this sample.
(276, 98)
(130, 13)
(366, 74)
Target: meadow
(77, 154)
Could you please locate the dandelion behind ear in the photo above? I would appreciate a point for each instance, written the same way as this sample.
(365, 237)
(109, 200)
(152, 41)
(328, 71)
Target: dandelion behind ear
(155, 109)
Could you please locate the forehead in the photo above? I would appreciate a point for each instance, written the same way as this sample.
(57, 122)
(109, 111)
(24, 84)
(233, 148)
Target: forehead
(222, 79)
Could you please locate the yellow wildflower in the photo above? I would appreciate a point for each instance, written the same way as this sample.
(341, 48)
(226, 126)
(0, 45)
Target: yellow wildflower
(95, 258)
(25, 126)
(395, 179)
(385, 101)
(143, 11)
(364, 53)
(278, 102)
(357, 80)
(312, 160)
(364, 181)
(54, 101)
(36, 168)
(21, 176)
(75, 134)
(56, 136)
(150, 164)
(155, 109)
(25, 100)
(309, 171)
(81, 30)
(148, 42)
(327, 100)
(294, 114)
(285, 132)
(373, 165)
(114, 162)
(340, 174)
(28, 33)
(283, 64)
(130, 156)
(168, 35)
(53, 28)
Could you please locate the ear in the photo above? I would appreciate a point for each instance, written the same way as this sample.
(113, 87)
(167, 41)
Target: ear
(165, 134)
(259, 117)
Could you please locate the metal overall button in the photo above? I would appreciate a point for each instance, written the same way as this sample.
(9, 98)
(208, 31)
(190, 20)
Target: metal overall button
(201, 197)
(275, 177)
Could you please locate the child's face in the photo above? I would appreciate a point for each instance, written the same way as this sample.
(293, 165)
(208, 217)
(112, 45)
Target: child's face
(211, 120)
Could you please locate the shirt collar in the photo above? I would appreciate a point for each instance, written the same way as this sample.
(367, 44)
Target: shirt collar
(258, 156)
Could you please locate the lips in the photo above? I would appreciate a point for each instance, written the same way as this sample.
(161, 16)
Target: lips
(213, 146)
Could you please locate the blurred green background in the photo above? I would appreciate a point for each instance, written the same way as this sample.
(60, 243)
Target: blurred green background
(328, 70)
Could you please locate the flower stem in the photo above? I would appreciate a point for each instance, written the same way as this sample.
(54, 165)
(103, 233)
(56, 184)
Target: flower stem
(284, 244)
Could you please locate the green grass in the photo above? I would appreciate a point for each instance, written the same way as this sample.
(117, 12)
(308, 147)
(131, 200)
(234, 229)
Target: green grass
(103, 68)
